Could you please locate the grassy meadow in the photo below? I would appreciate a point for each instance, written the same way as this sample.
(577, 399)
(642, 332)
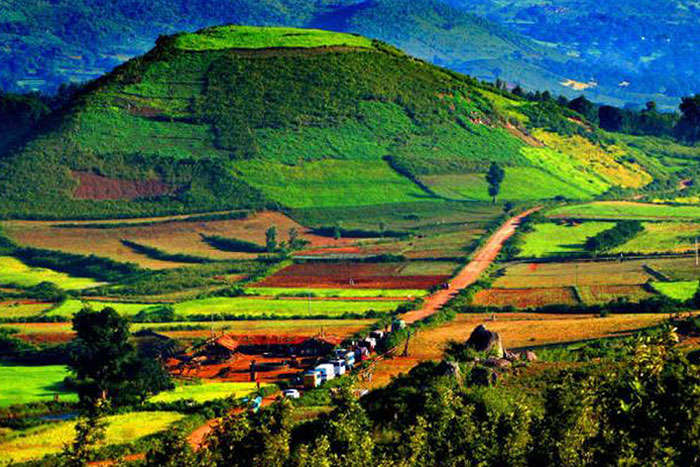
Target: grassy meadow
(520, 184)
(626, 210)
(681, 290)
(280, 308)
(205, 392)
(15, 272)
(24, 384)
(550, 239)
(37, 442)
(252, 37)
(330, 183)
(336, 293)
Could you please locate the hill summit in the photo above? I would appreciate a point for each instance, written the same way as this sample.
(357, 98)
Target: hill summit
(248, 117)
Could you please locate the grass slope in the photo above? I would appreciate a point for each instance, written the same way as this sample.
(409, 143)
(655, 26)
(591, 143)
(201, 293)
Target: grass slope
(626, 210)
(25, 384)
(13, 271)
(549, 239)
(35, 443)
(681, 290)
(280, 308)
(205, 392)
(520, 184)
(252, 37)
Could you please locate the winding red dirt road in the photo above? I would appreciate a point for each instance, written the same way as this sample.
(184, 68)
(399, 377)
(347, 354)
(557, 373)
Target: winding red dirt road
(471, 272)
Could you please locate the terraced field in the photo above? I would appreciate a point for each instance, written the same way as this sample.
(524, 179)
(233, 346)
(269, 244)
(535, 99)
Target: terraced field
(521, 183)
(330, 183)
(170, 234)
(550, 239)
(359, 276)
(681, 290)
(14, 272)
(626, 210)
(562, 239)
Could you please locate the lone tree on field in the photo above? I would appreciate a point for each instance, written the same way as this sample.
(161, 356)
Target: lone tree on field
(271, 239)
(494, 178)
(107, 367)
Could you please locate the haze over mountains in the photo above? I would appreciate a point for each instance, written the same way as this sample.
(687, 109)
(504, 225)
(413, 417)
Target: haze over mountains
(618, 53)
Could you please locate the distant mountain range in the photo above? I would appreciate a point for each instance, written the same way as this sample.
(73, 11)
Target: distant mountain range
(624, 52)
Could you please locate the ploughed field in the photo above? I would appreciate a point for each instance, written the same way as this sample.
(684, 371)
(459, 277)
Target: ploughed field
(361, 275)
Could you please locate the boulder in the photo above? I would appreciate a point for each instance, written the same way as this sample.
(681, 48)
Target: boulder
(530, 356)
(483, 340)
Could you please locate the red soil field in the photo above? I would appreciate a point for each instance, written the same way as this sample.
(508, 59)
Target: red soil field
(92, 186)
(349, 275)
(526, 298)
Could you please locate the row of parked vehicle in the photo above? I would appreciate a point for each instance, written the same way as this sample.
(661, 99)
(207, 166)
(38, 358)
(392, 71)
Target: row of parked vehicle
(342, 360)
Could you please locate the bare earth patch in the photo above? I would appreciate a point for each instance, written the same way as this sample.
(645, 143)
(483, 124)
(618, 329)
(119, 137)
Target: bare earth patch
(97, 187)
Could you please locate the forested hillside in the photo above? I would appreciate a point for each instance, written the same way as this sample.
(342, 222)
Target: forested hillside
(243, 117)
(568, 47)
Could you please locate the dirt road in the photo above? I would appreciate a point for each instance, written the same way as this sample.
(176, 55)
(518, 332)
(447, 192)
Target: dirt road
(471, 272)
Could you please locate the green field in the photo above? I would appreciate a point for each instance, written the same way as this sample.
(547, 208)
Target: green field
(68, 308)
(24, 384)
(35, 443)
(521, 183)
(17, 309)
(626, 210)
(663, 237)
(391, 293)
(550, 239)
(13, 271)
(681, 290)
(281, 308)
(329, 183)
(251, 37)
(205, 392)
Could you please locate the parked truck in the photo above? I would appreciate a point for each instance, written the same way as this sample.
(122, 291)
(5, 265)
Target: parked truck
(327, 371)
(312, 379)
(339, 366)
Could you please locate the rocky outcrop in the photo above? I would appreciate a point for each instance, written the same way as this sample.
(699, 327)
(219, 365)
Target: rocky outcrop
(483, 340)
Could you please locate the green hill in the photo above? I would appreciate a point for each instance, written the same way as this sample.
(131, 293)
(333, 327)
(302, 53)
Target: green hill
(245, 117)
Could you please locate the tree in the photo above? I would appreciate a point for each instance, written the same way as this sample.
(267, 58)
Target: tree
(89, 431)
(250, 439)
(106, 365)
(495, 177)
(611, 118)
(271, 239)
(102, 353)
(584, 107)
(688, 127)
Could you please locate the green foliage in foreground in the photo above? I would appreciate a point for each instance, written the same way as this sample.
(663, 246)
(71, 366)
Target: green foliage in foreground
(645, 406)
